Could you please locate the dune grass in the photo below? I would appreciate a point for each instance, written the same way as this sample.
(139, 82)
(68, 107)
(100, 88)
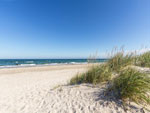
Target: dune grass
(120, 60)
(103, 72)
(131, 85)
(78, 79)
(95, 75)
(143, 60)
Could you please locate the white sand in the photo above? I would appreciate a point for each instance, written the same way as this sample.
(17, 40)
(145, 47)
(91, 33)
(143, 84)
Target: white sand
(34, 90)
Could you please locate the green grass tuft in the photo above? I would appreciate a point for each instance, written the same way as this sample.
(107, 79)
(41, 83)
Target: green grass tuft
(78, 79)
(95, 75)
(131, 85)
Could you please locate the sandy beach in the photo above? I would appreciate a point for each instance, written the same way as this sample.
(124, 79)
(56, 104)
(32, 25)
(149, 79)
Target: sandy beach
(44, 90)
(25, 89)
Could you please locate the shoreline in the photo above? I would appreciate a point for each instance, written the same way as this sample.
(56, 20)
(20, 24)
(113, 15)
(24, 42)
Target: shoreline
(41, 68)
(39, 65)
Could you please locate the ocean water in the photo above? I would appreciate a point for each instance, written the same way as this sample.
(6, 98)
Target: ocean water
(7, 63)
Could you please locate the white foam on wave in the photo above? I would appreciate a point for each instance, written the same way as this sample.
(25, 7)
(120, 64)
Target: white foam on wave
(15, 66)
(27, 65)
(32, 65)
(8, 66)
(29, 61)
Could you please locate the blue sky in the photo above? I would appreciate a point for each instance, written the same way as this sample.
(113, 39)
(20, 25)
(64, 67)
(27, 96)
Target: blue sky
(71, 28)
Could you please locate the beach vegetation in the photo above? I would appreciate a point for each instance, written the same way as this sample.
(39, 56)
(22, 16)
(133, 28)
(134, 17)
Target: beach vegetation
(95, 75)
(131, 85)
(123, 80)
(119, 60)
(143, 60)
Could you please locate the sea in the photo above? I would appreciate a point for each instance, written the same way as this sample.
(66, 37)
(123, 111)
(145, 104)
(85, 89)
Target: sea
(10, 63)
